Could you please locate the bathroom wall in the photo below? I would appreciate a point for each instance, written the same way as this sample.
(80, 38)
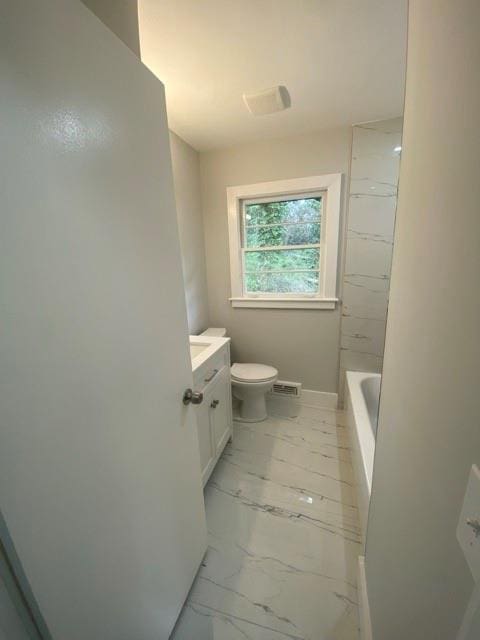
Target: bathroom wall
(370, 224)
(302, 344)
(429, 435)
(186, 177)
(121, 16)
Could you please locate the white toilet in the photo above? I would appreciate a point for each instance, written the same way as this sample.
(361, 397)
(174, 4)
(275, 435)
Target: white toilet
(250, 383)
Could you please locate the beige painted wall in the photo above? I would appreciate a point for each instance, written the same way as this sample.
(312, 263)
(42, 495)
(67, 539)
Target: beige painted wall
(186, 177)
(429, 431)
(121, 16)
(302, 344)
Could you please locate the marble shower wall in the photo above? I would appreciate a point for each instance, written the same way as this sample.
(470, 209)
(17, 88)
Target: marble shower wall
(370, 225)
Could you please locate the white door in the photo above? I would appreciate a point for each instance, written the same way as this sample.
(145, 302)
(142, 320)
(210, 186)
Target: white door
(11, 625)
(99, 471)
(16, 622)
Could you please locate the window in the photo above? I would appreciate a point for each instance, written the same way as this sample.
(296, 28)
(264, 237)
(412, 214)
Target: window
(284, 243)
(281, 245)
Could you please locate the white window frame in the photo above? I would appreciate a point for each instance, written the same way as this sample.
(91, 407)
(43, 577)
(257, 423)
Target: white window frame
(330, 187)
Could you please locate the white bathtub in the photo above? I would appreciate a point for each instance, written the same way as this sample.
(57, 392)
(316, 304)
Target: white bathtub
(361, 405)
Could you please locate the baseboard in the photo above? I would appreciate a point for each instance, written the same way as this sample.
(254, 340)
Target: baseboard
(286, 406)
(319, 399)
(363, 605)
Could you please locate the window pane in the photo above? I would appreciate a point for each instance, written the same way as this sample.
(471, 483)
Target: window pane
(286, 259)
(305, 210)
(278, 235)
(281, 282)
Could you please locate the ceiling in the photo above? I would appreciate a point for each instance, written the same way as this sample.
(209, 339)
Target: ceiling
(343, 61)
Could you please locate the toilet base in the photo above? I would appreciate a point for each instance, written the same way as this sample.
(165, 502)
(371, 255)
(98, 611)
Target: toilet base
(240, 419)
(253, 408)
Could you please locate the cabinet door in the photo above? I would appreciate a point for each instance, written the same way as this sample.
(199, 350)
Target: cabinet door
(221, 410)
(207, 450)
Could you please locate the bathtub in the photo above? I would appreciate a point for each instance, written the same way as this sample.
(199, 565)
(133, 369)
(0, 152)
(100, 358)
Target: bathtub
(361, 406)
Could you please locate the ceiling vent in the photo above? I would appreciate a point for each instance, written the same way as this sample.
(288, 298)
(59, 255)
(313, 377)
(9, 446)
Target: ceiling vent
(267, 101)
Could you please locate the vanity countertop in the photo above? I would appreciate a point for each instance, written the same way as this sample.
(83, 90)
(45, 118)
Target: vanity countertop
(202, 348)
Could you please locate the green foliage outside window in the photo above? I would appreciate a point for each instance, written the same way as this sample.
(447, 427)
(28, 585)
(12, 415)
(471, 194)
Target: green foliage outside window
(282, 224)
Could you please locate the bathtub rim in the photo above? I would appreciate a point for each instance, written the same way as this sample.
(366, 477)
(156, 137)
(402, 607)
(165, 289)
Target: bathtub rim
(364, 428)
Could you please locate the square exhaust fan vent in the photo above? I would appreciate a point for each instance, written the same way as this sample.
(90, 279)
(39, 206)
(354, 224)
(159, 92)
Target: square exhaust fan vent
(267, 101)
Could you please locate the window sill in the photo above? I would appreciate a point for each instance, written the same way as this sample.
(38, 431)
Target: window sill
(284, 303)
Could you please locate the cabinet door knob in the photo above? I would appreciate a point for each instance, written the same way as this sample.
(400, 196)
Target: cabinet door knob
(194, 397)
(215, 404)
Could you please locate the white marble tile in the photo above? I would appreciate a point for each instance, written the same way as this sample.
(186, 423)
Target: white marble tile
(383, 166)
(372, 188)
(376, 313)
(353, 360)
(330, 417)
(372, 213)
(377, 138)
(368, 257)
(283, 535)
(367, 290)
(198, 622)
(363, 335)
(370, 228)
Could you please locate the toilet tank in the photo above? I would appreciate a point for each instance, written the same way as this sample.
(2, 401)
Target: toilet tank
(215, 332)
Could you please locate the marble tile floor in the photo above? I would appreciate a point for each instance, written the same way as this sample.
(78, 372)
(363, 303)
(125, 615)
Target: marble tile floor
(283, 534)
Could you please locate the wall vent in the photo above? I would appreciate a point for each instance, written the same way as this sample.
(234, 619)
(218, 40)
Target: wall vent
(283, 388)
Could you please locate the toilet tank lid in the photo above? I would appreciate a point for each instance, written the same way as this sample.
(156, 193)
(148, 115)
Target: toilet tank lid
(217, 332)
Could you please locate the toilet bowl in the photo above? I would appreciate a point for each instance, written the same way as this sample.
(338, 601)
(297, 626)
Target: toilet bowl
(250, 383)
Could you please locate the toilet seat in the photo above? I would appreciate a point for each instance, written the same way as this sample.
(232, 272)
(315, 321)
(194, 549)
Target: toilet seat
(250, 372)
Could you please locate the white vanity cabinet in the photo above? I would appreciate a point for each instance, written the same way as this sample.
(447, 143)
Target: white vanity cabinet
(211, 376)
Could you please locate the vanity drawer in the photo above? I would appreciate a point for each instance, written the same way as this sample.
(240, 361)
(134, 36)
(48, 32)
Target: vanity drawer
(212, 375)
(208, 372)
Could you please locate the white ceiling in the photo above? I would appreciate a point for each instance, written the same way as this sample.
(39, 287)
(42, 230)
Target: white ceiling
(343, 61)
